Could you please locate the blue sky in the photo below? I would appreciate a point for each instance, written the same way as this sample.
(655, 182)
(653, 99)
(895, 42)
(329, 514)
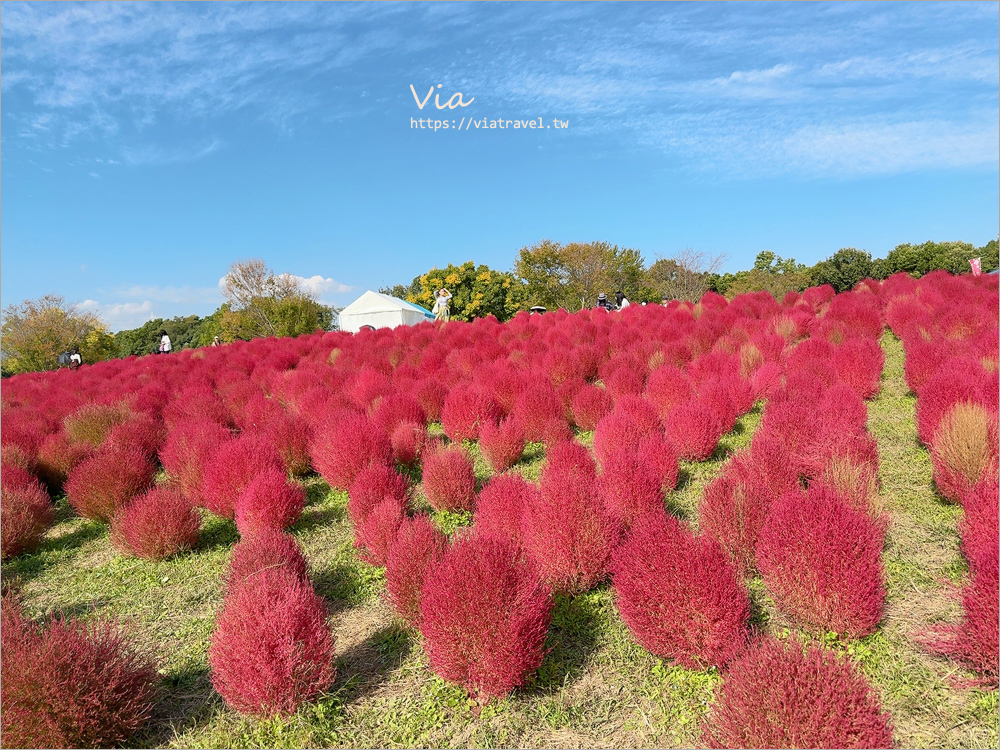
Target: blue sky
(145, 147)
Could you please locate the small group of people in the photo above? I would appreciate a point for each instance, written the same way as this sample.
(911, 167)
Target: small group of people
(441, 309)
(620, 303)
(71, 359)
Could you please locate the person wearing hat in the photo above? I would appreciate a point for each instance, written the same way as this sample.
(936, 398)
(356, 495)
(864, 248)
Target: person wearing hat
(602, 301)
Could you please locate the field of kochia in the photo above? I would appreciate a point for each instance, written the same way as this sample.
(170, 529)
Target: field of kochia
(742, 523)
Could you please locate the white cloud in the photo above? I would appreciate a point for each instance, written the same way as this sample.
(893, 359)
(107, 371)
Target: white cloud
(320, 286)
(121, 315)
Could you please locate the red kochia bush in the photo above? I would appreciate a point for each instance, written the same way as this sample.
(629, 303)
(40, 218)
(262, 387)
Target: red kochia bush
(679, 595)
(534, 408)
(736, 503)
(270, 502)
(590, 405)
(502, 445)
(374, 535)
(345, 444)
(264, 551)
(371, 486)
(979, 526)
(408, 441)
(449, 481)
(232, 467)
(629, 487)
(103, 483)
(416, 547)
(156, 525)
(693, 429)
(632, 419)
(777, 695)
(484, 616)
(822, 562)
(499, 506)
(186, 451)
(465, 410)
(73, 684)
(272, 649)
(25, 512)
(566, 530)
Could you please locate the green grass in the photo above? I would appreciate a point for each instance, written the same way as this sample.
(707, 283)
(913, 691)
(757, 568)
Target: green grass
(595, 687)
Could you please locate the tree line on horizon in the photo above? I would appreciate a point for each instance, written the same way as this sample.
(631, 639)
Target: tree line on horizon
(260, 302)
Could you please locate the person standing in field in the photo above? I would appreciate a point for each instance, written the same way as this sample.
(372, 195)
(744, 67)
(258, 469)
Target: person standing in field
(216, 342)
(621, 300)
(164, 342)
(75, 360)
(441, 302)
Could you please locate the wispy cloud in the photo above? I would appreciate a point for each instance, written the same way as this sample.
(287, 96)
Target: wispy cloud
(120, 315)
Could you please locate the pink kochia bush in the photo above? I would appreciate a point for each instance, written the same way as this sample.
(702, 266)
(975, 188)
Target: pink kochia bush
(106, 481)
(693, 429)
(500, 504)
(566, 531)
(502, 445)
(156, 525)
(484, 615)
(629, 486)
(371, 486)
(232, 467)
(272, 649)
(376, 532)
(25, 512)
(449, 481)
(345, 444)
(679, 595)
(186, 451)
(416, 547)
(72, 684)
(822, 562)
(466, 410)
(784, 695)
(267, 550)
(270, 502)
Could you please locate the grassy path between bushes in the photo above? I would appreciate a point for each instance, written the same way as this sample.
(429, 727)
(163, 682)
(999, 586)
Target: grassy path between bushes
(595, 688)
(923, 567)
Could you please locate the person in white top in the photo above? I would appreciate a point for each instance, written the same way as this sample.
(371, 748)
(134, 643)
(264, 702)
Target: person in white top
(75, 360)
(164, 342)
(441, 311)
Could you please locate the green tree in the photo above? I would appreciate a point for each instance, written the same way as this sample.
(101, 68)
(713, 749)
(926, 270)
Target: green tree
(260, 302)
(843, 269)
(571, 276)
(686, 275)
(918, 260)
(35, 332)
(477, 291)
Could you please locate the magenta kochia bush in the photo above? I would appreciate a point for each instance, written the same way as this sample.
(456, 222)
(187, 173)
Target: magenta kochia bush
(784, 695)
(272, 649)
(590, 405)
(632, 419)
(374, 535)
(270, 502)
(449, 481)
(465, 410)
(484, 616)
(103, 483)
(629, 486)
(500, 504)
(345, 444)
(566, 531)
(156, 525)
(736, 503)
(502, 445)
(822, 562)
(678, 593)
(73, 684)
(371, 486)
(416, 546)
(25, 512)
(267, 550)
(693, 429)
(186, 451)
(232, 467)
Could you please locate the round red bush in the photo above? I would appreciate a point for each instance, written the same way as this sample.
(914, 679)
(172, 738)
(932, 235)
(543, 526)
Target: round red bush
(784, 695)
(465, 410)
(500, 504)
(156, 525)
(106, 481)
(272, 649)
(630, 487)
(186, 451)
(25, 512)
(265, 551)
(408, 440)
(632, 419)
(693, 429)
(667, 387)
(73, 684)
(449, 481)
(590, 405)
(374, 535)
(232, 467)
(484, 617)
(822, 562)
(534, 408)
(371, 486)
(270, 502)
(679, 595)
(345, 444)
(503, 445)
(416, 546)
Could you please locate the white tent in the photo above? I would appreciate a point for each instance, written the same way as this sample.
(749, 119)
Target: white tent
(376, 310)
